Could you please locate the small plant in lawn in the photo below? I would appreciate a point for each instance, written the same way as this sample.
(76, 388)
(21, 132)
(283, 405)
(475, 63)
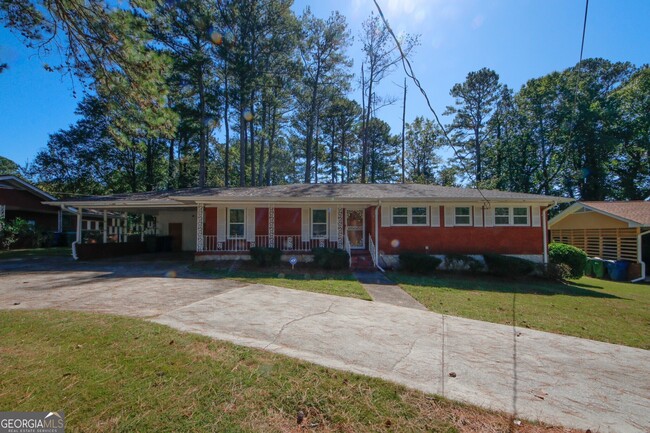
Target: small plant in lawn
(574, 258)
(418, 263)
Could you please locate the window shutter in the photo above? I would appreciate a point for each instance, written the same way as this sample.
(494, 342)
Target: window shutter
(221, 224)
(306, 224)
(489, 217)
(333, 216)
(385, 216)
(449, 216)
(478, 216)
(250, 224)
(536, 218)
(435, 216)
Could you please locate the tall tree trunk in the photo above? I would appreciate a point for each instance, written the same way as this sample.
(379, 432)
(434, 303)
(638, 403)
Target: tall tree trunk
(364, 127)
(170, 165)
(316, 137)
(263, 138)
(403, 130)
(225, 120)
(251, 125)
(269, 160)
(203, 129)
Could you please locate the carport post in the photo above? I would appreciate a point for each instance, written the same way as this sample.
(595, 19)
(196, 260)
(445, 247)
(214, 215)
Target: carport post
(105, 231)
(79, 222)
(200, 208)
(142, 228)
(59, 220)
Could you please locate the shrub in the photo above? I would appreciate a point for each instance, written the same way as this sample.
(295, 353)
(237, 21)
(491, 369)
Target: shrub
(266, 256)
(461, 262)
(557, 271)
(508, 266)
(573, 257)
(331, 258)
(418, 263)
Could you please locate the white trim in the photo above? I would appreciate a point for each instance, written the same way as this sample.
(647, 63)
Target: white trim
(228, 236)
(311, 223)
(455, 216)
(409, 215)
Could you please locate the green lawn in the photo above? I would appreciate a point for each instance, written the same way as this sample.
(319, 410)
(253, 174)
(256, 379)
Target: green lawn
(590, 308)
(111, 373)
(340, 283)
(36, 252)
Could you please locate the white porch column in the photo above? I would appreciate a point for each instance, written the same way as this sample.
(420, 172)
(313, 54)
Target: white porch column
(200, 208)
(79, 223)
(271, 226)
(125, 231)
(105, 231)
(339, 228)
(142, 228)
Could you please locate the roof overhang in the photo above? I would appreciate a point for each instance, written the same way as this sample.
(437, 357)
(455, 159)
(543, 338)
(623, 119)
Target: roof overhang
(579, 205)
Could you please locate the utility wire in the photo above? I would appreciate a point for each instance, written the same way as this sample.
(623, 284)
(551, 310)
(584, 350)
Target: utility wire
(408, 69)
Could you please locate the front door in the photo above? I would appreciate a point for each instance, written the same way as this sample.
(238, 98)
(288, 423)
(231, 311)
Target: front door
(355, 223)
(176, 233)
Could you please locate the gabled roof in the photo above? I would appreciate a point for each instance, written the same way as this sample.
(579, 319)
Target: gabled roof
(312, 192)
(14, 182)
(635, 213)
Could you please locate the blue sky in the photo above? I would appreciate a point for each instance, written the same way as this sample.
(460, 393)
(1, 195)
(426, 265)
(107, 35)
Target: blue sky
(520, 39)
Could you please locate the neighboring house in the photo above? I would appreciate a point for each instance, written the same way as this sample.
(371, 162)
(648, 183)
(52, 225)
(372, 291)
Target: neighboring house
(21, 199)
(381, 220)
(616, 230)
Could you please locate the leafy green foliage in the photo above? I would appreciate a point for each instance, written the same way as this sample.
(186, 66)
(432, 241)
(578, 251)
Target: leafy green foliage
(507, 266)
(331, 258)
(574, 258)
(263, 256)
(461, 262)
(418, 263)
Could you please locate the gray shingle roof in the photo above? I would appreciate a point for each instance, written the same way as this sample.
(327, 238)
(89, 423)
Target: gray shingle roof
(327, 192)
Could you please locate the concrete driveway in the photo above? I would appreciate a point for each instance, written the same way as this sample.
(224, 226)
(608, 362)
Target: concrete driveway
(536, 375)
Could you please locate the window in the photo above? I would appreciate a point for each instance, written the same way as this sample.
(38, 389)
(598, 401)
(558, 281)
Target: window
(501, 216)
(462, 216)
(400, 216)
(236, 223)
(520, 216)
(511, 216)
(415, 216)
(319, 223)
(419, 216)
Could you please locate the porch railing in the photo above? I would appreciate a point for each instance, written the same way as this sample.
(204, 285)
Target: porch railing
(371, 247)
(286, 243)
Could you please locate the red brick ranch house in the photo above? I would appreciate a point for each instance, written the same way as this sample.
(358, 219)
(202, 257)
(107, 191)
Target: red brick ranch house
(380, 220)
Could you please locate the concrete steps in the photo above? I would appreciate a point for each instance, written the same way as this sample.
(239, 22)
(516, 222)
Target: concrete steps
(362, 261)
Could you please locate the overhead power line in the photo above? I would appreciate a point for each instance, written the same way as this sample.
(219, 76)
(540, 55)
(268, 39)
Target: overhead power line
(408, 69)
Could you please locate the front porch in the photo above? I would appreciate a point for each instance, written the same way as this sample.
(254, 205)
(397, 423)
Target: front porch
(229, 232)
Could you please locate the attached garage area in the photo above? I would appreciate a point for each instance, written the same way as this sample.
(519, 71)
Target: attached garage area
(607, 230)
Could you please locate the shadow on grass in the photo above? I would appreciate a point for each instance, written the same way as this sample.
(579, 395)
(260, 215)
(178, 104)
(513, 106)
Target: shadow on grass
(488, 283)
(237, 269)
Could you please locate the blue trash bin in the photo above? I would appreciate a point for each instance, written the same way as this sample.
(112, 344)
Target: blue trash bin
(618, 270)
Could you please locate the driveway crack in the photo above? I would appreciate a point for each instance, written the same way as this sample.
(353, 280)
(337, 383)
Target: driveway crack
(292, 321)
(399, 361)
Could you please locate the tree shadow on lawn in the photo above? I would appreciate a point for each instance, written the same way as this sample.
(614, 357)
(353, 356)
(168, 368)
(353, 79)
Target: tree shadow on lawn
(490, 283)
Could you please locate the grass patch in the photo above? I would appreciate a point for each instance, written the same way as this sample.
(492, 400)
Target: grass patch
(305, 277)
(601, 310)
(113, 373)
(36, 252)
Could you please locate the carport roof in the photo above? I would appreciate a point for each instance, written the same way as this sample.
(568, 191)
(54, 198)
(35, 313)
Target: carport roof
(310, 192)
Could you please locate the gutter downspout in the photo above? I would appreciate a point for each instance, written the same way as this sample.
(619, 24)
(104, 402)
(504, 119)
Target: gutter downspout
(545, 229)
(639, 256)
(377, 236)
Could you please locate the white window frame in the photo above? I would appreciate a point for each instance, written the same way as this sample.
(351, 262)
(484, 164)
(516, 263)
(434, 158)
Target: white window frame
(409, 216)
(228, 223)
(511, 216)
(508, 216)
(469, 215)
(327, 224)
